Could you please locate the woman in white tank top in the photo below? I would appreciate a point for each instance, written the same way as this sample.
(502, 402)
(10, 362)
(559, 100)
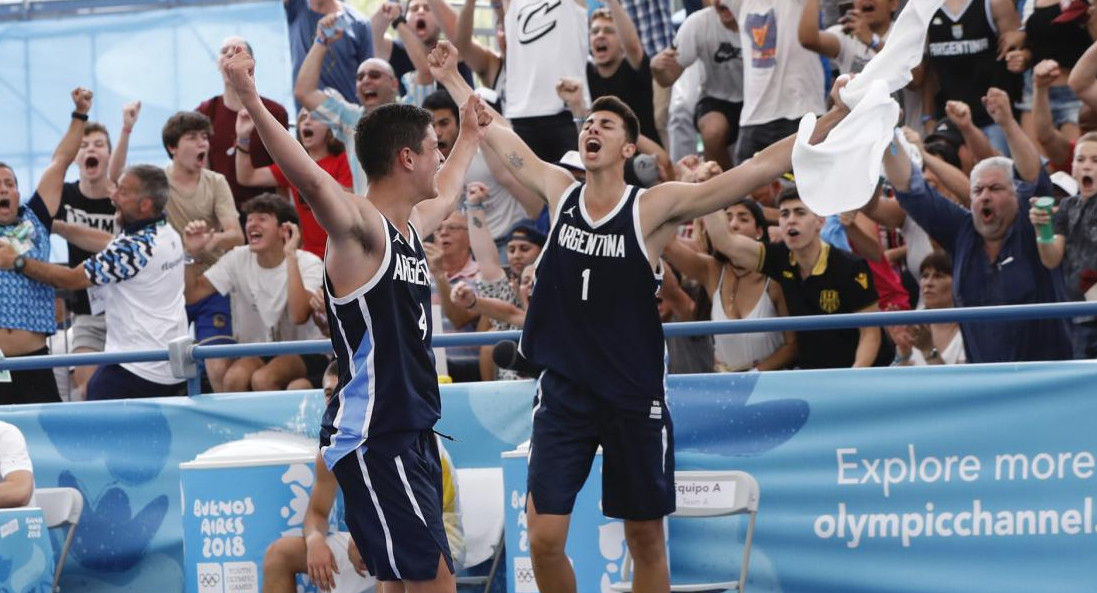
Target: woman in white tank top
(738, 294)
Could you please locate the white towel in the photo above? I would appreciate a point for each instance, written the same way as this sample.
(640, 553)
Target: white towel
(841, 173)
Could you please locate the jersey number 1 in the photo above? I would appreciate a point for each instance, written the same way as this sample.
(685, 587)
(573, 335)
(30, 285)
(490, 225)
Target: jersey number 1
(586, 283)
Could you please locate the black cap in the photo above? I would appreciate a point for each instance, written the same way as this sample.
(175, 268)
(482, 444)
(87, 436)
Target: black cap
(947, 131)
(526, 230)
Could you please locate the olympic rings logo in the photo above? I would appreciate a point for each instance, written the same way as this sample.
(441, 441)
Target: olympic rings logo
(523, 575)
(208, 579)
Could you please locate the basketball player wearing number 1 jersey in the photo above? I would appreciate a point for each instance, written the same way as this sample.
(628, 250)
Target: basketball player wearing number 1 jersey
(376, 435)
(593, 324)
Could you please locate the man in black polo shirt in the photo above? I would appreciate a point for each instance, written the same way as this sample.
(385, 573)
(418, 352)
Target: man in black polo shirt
(818, 279)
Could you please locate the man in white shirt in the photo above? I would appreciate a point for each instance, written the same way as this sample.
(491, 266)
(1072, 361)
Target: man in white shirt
(270, 280)
(711, 36)
(16, 471)
(139, 277)
(781, 80)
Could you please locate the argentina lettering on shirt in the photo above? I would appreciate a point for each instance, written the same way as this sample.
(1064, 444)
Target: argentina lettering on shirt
(586, 242)
(410, 269)
(963, 47)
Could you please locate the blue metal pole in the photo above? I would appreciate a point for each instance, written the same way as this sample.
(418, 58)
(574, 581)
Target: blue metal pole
(963, 315)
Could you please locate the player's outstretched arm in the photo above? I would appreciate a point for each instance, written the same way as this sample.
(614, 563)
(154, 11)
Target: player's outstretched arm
(324, 195)
(676, 203)
(475, 121)
(546, 180)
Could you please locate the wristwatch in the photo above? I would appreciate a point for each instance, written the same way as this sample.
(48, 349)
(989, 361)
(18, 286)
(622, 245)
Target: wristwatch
(19, 264)
(933, 354)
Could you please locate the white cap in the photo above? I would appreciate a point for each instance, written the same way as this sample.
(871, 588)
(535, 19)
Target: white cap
(572, 160)
(1065, 182)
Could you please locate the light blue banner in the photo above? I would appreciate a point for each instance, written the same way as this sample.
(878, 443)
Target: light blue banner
(955, 479)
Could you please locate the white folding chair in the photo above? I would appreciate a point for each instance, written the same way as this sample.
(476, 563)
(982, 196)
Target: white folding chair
(709, 494)
(60, 506)
(481, 492)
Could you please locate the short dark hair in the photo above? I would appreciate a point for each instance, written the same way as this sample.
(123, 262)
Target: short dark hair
(441, 99)
(384, 132)
(939, 261)
(93, 126)
(273, 204)
(612, 104)
(182, 123)
(154, 184)
(4, 165)
(945, 151)
(789, 193)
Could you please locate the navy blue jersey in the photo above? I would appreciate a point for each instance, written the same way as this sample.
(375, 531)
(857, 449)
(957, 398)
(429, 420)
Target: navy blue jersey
(593, 316)
(388, 388)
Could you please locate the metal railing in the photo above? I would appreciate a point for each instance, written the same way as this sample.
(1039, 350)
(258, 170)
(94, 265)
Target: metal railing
(184, 354)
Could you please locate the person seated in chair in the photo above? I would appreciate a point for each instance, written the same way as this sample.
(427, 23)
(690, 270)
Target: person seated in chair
(16, 471)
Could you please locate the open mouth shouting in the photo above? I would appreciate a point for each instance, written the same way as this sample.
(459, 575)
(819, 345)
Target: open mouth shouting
(1088, 185)
(201, 156)
(986, 213)
(592, 147)
(254, 236)
(91, 164)
(868, 8)
(6, 206)
(600, 50)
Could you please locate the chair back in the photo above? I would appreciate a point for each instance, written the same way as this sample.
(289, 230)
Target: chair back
(60, 507)
(482, 518)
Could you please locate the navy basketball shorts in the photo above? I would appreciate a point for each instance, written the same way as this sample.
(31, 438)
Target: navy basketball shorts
(570, 422)
(394, 509)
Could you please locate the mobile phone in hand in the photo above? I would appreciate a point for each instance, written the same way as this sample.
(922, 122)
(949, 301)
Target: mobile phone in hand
(843, 8)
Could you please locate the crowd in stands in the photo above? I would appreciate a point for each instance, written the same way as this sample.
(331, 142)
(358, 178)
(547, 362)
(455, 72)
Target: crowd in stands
(984, 197)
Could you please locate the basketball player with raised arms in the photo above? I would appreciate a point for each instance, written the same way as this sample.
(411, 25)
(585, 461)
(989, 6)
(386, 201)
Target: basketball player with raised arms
(593, 324)
(377, 431)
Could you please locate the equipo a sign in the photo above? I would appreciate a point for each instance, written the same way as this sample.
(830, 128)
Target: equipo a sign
(700, 494)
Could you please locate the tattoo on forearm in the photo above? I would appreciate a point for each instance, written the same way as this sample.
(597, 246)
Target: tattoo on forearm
(476, 222)
(515, 160)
